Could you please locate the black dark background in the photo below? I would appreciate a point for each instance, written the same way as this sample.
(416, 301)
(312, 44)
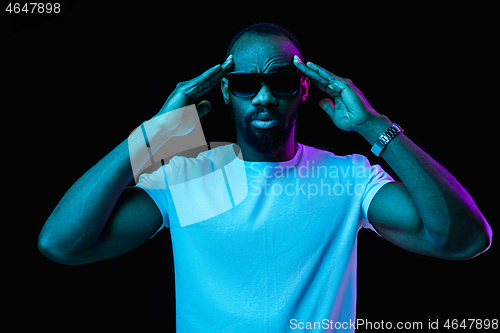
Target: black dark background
(76, 84)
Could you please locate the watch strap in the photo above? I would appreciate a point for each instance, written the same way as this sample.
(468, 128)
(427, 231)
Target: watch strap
(385, 138)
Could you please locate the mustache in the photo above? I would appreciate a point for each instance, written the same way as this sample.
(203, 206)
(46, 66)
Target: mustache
(260, 109)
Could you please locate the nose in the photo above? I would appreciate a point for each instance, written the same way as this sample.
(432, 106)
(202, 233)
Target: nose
(264, 96)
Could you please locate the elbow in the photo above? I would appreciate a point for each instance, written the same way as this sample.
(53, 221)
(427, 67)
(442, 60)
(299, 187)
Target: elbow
(50, 251)
(473, 251)
(48, 248)
(483, 241)
(478, 243)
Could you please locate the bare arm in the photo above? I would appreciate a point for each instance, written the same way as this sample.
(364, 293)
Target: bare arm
(429, 212)
(73, 233)
(98, 217)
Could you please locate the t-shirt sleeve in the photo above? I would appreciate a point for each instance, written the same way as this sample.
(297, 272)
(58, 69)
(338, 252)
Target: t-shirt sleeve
(377, 178)
(156, 186)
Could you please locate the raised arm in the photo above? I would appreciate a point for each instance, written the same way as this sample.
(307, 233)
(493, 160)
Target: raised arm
(99, 217)
(429, 212)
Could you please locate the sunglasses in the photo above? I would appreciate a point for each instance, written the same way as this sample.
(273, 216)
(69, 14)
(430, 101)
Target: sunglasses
(247, 85)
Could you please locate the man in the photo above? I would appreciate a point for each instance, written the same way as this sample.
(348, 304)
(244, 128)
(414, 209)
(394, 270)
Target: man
(264, 232)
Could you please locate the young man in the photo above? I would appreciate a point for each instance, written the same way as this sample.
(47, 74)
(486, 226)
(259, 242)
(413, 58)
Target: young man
(264, 232)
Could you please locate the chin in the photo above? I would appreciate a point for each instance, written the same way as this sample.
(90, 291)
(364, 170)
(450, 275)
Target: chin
(264, 141)
(269, 141)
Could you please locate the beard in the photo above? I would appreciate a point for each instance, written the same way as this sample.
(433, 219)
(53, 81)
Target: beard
(265, 141)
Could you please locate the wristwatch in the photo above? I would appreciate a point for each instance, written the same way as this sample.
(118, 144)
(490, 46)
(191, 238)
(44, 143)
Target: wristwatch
(385, 138)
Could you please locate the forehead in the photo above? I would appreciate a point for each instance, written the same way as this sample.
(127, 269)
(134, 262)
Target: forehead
(261, 54)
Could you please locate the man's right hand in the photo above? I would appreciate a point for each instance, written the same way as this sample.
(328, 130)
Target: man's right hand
(186, 93)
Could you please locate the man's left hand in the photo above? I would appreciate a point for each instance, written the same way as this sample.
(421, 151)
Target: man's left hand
(351, 110)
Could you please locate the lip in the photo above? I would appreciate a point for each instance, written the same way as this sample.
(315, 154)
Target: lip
(264, 124)
(264, 116)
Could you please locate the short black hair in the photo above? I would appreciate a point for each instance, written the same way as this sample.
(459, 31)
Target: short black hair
(265, 29)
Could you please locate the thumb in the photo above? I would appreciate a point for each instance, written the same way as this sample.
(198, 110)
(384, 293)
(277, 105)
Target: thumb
(203, 108)
(327, 106)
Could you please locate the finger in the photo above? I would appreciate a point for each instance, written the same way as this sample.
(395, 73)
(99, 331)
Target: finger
(208, 74)
(227, 65)
(327, 106)
(211, 77)
(206, 81)
(218, 71)
(312, 72)
(306, 70)
(335, 84)
(225, 69)
(203, 108)
(321, 71)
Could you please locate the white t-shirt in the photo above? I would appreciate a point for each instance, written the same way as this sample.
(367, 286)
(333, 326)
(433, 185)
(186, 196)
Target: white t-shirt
(265, 246)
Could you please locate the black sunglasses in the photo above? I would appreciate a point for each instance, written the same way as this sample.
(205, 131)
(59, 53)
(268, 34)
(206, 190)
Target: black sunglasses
(247, 85)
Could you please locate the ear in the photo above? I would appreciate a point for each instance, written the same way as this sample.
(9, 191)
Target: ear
(304, 89)
(224, 87)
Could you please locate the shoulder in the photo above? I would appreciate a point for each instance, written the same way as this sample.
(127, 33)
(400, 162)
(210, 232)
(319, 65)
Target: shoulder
(210, 159)
(181, 169)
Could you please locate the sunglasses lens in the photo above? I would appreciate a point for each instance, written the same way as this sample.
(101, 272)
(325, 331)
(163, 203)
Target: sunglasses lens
(284, 84)
(249, 84)
(243, 84)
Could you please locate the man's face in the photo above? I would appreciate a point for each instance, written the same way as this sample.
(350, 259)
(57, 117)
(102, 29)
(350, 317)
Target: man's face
(264, 54)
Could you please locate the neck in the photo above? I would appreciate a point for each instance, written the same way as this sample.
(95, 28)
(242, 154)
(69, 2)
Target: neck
(285, 153)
